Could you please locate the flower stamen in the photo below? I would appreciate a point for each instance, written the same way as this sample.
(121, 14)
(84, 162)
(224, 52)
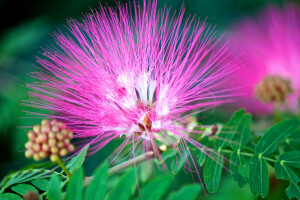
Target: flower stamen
(274, 89)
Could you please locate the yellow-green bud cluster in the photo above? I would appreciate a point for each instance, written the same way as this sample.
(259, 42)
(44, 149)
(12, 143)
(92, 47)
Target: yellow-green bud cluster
(50, 139)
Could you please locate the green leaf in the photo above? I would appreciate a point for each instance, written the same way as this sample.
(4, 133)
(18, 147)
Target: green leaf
(188, 192)
(25, 176)
(98, 185)
(155, 189)
(277, 133)
(167, 154)
(201, 157)
(178, 161)
(243, 133)
(54, 190)
(10, 196)
(259, 176)
(229, 130)
(22, 189)
(212, 172)
(201, 154)
(41, 184)
(122, 189)
(146, 170)
(282, 171)
(291, 158)
(238, 164)
(75, 186)
(78, 160)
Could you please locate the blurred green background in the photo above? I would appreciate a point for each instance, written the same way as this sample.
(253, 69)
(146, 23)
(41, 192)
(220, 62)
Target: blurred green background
(25, 27)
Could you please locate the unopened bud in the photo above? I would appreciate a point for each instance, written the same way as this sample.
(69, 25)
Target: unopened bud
(61, 125)
(37, 128)
(67, 141)
(71, 148)
(29, 145)
(45, 122)
(36, 147)
(60, 144)
(51, 134)
(59, 136)
(42, 138)
(51, 139)
(31, 135)
(30, 195)
(54, 158)
(70, 135)
(45, 129)
(45, 147)
(54, 150)
(36, 157)
(29, 153)
(52, 142)
(63, 152)
(42, 154)
(64, 131)
(55, 129)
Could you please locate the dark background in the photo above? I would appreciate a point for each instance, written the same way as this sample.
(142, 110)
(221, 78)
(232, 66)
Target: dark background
(25, 27)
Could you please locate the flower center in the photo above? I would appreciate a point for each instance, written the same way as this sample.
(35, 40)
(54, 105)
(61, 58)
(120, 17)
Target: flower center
(146, 124)
(273, 89)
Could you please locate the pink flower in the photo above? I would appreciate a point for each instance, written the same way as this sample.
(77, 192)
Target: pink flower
(271, 59)
(132, 76)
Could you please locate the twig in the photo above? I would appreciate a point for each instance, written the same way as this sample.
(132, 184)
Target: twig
(122, 166)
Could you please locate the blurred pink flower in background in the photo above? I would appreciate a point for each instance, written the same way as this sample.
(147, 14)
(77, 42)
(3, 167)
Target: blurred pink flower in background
(135, 76)
(270, 59)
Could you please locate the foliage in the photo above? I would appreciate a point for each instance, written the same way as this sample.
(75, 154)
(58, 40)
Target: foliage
(236, 147)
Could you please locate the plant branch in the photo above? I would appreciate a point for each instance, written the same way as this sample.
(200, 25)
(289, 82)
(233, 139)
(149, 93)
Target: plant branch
(249, 155)
(62, 165)
(117, 168)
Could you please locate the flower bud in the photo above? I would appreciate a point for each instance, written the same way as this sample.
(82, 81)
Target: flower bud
(51, 138)
(29, 154)
(54, 150)
(54, 158)
(63, 152)
(36, 157)
(37, 128)
(31, 135)
(52, 142)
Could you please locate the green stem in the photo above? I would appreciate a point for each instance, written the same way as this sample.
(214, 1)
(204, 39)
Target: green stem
(249, 155)
(62, 165)
(277, 113)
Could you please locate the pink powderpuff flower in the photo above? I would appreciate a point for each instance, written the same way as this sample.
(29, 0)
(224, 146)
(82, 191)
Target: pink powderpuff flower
(271, 60)
(135, 76)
